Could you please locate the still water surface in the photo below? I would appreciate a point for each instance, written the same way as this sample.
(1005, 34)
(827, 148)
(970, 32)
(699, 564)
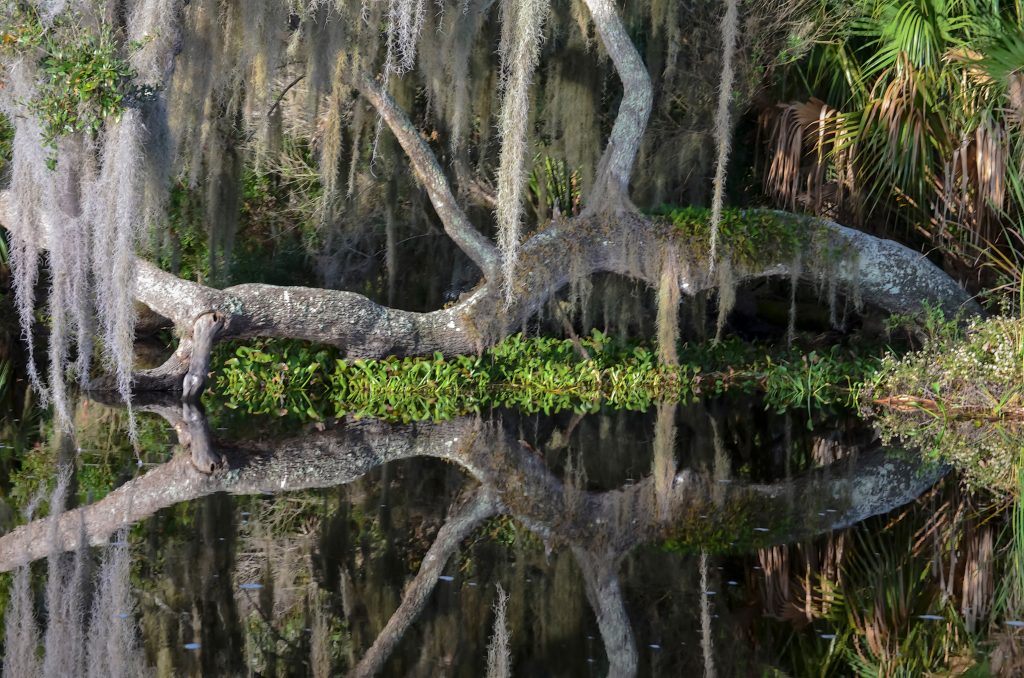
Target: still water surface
(700, 539)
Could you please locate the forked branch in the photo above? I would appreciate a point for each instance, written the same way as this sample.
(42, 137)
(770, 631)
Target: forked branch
(424, 163)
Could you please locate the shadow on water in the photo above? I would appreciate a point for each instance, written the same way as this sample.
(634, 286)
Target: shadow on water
(628, 543)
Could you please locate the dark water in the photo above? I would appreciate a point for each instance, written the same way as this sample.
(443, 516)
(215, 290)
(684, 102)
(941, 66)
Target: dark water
(708, 539)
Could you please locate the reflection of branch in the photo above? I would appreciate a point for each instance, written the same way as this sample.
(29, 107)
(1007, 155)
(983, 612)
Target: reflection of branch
(865, 485)
(600, 527)
(463, 523)
(605, 596)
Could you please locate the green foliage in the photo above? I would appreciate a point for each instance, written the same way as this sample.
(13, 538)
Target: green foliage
(554, 188)
(750, 236)
(35, 476)
(931, 325)
(736, 527)
(283, 383)
(85, 82)
(959, 398)
(539, 374)
(6, 139)
(919, 120)
(85, 78)
(104, 457)
(815, 380)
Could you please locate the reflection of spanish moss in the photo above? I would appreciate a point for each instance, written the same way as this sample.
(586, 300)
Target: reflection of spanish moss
(65, 586)
(319, 638)
(21, 634)
(664, 469)
(706, 642)
(100, 644)
(113, 645)
(498, 652)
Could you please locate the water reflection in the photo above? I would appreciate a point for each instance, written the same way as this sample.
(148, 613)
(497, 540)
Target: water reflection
(229, 589)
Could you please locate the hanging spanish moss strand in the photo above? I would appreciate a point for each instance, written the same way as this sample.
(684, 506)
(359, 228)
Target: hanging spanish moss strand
(722, 118)
(467, 25)
(155, 27)
(520, 46)
(404, 24)
(26, 201)
(116, 228)
(668, 308)
(59, 255)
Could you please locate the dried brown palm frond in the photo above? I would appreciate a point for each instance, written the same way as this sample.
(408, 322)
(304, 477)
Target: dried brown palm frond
(810, 166)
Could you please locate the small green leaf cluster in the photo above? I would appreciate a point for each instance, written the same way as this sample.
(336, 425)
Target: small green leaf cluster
(276, 378)
(86, 81)
(968, 391)
(84, 76)
(750, 236)
(734, 527)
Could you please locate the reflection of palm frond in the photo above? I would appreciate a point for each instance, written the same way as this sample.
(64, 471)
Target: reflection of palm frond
(1009, 598)
(876, 609)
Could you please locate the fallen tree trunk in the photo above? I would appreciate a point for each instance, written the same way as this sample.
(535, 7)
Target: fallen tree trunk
(881, 273)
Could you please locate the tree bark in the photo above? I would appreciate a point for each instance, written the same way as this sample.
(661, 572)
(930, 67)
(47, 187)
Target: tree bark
(611, 185)
(881, 273)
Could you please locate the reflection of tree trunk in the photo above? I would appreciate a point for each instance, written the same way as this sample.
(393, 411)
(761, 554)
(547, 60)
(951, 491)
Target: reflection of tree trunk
(854, 489)
(463, 523)
(603, 528)
(600, 573)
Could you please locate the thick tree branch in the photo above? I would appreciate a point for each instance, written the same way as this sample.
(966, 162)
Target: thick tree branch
(881, 273)
(424, 163)
(611, 185)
